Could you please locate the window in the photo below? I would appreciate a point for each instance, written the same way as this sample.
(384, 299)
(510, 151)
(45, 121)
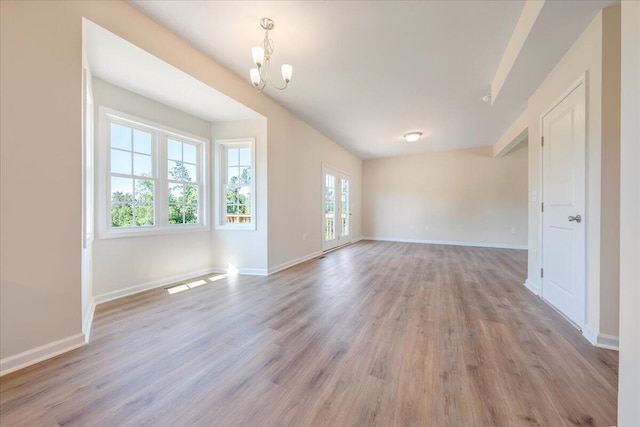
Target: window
(152, 177)
(235, 207)
(184, 189)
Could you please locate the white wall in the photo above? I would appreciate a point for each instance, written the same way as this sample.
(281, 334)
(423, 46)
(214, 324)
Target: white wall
(244, 249)
(112, 96)
(629, 368)
(125, 262)
(585, 56)
(463, 196)
(41, 51)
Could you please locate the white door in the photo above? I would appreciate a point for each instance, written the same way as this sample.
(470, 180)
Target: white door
(563, 209)
(336, 209)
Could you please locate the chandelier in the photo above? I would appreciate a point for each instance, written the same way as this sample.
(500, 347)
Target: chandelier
(262, 58)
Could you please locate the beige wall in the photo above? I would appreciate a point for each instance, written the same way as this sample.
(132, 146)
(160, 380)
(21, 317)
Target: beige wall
(465, 196)
(41, 48)
(610, 170)
(584, 58)
(295, 192)
(629, 373)
(40, 167)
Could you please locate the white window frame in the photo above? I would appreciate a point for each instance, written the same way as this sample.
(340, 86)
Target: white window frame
(88, 176)
(221, 145)
(160, 134)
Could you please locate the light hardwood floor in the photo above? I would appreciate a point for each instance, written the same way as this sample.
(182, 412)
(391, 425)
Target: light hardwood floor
(376, 333)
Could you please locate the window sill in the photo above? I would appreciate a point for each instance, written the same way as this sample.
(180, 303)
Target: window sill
(233, 227)
(116, 234)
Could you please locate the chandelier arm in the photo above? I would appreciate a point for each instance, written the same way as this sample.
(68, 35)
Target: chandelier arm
(266, 69)
(261, 86)
(279, 88)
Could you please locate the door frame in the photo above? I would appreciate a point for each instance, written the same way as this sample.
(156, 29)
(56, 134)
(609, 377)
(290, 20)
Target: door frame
(582, 80)
(324, 166)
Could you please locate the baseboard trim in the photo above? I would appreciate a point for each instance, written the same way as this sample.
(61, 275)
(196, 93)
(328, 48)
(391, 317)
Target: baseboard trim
(609, 342)
(38, 354)
(293, 262)
(88, 320)
(254, 271)
(132, 290)
(448, 242)
(532, 287)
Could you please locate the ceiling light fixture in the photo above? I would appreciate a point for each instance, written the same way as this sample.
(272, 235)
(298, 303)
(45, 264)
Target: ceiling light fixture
(262, 58)
(412, 136)
(486, 98)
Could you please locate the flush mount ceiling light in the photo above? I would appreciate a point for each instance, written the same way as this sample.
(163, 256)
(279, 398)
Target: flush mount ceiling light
(412, 136)
(486, 98)
(262, 58)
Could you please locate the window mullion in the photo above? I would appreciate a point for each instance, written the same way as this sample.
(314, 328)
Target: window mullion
(162, 200)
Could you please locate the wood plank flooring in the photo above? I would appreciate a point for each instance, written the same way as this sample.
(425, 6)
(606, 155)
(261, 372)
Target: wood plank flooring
(377, 333)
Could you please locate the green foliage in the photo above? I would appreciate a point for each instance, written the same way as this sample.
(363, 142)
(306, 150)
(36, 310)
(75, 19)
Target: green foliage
(183, 209)
(237, 202)
(125, 210)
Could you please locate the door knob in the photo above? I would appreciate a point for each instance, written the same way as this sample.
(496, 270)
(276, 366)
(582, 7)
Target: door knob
(576, 218)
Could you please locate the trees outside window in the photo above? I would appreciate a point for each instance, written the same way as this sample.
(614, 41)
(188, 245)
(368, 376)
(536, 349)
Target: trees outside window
(236, 201)
(153, 177)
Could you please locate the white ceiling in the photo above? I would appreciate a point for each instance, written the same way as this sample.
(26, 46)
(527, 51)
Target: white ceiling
(121, 63)
(366, 72)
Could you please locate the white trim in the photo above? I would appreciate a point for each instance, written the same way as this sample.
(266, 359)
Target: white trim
(532, 287)
(253, 271)
(610, 342)
(305, 258)
(149, 231)
(160, 133)
(139, 121)
(448, 242)
(220, 145)
(131, 290)
(38, 354)
(590, 334)
(293, 262)
(88, 160)
(88, 320)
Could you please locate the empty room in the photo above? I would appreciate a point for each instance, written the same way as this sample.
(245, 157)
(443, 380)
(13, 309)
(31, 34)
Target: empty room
(319, 213)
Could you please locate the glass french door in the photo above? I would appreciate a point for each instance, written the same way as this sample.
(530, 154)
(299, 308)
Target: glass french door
(336, 210)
